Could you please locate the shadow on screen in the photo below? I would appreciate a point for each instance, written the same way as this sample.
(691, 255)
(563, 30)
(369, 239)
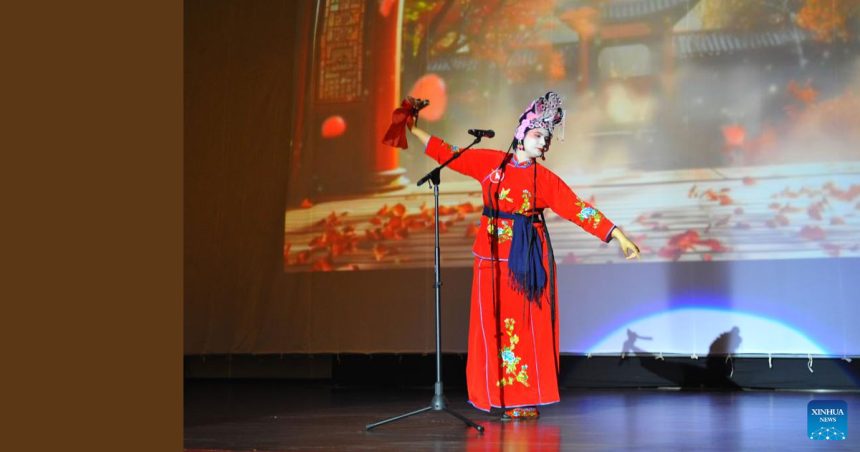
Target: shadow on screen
(716, 373)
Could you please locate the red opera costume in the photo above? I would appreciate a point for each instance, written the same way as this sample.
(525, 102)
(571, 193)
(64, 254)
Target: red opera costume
(513, 347)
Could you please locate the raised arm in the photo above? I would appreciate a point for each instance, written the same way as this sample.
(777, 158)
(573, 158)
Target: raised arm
(421, 135)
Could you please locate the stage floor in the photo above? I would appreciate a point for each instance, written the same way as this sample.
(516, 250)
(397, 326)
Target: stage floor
(270, 415)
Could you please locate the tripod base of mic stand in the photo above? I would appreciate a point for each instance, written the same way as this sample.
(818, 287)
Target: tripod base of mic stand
(437, 404)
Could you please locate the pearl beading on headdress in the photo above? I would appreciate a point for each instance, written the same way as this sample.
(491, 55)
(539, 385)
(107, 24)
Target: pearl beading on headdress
(545, 112)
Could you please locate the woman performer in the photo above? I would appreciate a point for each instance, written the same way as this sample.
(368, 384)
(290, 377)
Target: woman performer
(513, 353)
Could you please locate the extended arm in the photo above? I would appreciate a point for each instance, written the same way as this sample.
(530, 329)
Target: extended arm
(421, 135)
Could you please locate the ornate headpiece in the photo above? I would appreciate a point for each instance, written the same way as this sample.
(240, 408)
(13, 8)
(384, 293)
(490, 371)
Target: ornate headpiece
(545, 112)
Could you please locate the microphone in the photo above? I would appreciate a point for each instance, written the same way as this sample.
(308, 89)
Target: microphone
(480, 133)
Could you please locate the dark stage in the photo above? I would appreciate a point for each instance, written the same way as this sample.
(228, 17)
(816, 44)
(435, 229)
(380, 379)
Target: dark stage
(269, 415)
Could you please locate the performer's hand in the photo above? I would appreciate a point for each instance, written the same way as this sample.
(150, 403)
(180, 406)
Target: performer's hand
(628, 248)
(403, 118)
(417, 105)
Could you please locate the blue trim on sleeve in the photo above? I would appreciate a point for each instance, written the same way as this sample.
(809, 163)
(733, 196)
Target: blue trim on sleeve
(609, 235)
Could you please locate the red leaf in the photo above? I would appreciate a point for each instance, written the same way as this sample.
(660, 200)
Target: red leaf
(670, 252)
(398, 210)
(714, 244)
(806, 93)
(323, 264)
(380, 251)
(812, 233)
(471, 230)
(306, 204)
(814, 212)
(831, 249)
(466, 207)
(685, 240)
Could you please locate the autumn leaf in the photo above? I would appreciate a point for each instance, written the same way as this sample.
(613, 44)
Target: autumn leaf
(322, 264)
(570, 258)
(398, 210)
(669, 252)
(685, 240)
(714, 244)
(465, 208)
(812, 233)
(831, 249)
(380, 251)
(805, 94)
(814, 212)
(472, 229)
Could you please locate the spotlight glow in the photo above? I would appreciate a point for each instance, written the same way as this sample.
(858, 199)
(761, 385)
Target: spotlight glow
(692, 330)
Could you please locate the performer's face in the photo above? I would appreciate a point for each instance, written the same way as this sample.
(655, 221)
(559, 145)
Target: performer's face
(536, 142)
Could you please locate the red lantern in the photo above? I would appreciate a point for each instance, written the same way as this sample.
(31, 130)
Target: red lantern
(333, 126)
(431, 87)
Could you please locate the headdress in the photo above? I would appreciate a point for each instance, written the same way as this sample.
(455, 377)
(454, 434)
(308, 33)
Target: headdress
(545, 112)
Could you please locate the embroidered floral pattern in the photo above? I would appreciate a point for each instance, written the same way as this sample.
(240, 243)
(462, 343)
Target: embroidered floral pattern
(510, 360)
(589, 214)
(503, 195)
(504, 232)
(527, 203)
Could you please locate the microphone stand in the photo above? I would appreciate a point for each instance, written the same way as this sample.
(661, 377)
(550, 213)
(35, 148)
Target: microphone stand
(438, 403)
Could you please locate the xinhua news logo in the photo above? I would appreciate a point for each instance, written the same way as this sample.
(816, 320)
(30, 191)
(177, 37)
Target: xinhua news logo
(827, 420)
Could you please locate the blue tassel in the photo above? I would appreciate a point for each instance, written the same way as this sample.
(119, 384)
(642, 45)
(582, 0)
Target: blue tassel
(525, 261)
